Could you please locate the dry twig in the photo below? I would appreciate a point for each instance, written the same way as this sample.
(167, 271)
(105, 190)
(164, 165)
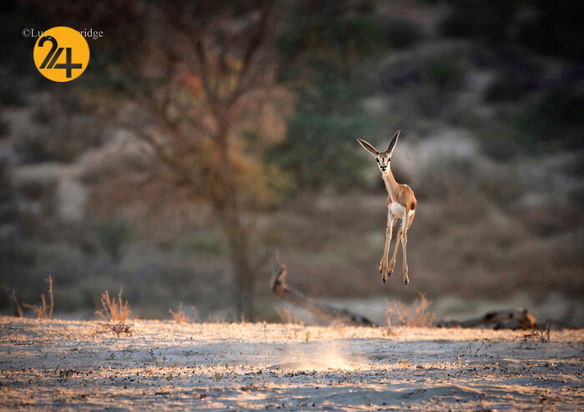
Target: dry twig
(541, 333)
(15, 303)
(415, 314)
(44, 311)
(179, 316)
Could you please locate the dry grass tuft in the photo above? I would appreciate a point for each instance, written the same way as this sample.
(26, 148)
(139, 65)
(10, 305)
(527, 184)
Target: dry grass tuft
(217, 376)
(114, 310)
(289, 316)
(179, 316)
(415, 314)
(44, 311)
(541, 333)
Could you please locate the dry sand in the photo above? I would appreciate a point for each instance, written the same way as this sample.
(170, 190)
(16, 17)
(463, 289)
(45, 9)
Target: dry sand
(162, 365)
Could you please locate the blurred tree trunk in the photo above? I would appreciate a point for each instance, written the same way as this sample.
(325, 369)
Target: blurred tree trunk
(237, 236)
(231, 68)
(244, 278)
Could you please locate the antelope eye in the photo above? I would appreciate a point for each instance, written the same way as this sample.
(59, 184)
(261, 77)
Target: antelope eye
(377, 160)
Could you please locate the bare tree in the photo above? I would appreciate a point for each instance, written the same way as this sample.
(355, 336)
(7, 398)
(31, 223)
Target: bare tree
(195, 80)
(208, 76)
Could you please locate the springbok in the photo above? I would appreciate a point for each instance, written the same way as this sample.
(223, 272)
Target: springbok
(401, 204)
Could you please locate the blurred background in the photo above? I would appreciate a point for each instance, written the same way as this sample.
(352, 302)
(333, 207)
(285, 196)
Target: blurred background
(204, 136)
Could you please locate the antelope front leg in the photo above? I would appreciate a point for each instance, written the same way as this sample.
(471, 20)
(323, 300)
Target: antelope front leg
(404, 248)
(388, 233)
(394, 256)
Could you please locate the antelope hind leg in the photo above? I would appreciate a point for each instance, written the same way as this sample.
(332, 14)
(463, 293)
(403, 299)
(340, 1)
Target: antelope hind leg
(407, 225)
(393, 257)
(383, 268)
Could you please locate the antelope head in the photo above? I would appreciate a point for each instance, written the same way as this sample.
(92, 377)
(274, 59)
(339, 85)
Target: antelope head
(383, 159)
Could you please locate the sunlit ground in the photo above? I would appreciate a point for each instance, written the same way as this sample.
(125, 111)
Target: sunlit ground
(84, 365)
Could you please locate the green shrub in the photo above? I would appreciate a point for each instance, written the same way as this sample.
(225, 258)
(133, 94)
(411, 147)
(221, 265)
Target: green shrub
(554, 28)
(506, 88)
(443, 72)
(322, 152)
(60, 129)
(401, 33)
(488, 20)
(549, 28)
(21, 252)
(310, 41)
(554, 121)
(205, 241)
(112, 236)
(320, 56)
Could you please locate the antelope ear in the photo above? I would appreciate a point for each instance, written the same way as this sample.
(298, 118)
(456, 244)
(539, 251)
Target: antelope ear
(393, 142)
(368, 146)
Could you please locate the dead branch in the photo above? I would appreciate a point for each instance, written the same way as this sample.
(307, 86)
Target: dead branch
(44, 310)
(279, 288)
(511, 319)
(203, 62)
(254, 44)
(518, 319)
(16, 308)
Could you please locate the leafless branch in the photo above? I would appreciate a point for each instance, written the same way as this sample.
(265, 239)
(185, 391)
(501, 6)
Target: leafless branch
(253, 46)
(279, 288)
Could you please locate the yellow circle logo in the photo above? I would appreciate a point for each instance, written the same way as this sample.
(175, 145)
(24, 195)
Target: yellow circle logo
(61, 54)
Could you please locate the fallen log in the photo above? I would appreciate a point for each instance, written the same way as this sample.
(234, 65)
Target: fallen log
(518, 319)
(279, 288)
(508, 319)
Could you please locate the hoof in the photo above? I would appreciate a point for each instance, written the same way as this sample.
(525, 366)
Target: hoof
(406, 282)
(383, 280)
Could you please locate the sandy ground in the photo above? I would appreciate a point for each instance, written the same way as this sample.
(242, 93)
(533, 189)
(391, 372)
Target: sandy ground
(162, 365)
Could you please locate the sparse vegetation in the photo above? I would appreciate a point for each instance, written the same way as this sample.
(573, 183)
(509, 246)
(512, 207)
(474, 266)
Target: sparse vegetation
(217, 376)
(179, 316)
(44, 310)
(415, 314)
(289, 316)
(260, 366)
(542, 333)
(114, 310)
(498, 211)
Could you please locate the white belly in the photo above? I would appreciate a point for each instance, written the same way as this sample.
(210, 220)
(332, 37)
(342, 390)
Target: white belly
(398, 210)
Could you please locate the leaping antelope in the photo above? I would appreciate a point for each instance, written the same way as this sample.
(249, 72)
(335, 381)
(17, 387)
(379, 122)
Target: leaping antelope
(401, 204)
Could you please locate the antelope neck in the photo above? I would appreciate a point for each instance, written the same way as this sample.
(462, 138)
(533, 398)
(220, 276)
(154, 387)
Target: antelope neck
(389, 181)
